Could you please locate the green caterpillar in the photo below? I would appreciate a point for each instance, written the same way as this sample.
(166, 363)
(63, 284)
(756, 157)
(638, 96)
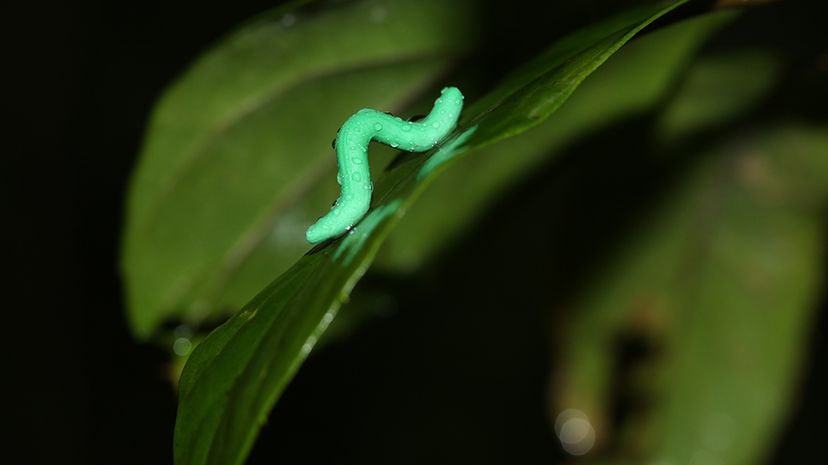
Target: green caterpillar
(351, 145)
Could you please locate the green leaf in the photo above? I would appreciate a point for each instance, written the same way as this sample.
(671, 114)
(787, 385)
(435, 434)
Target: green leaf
(721, 284)
(237, 159)
(635, 80)
(235, 376)
(718, 283)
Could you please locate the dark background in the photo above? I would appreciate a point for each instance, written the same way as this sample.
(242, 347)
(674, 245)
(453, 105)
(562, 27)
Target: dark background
(83, 77)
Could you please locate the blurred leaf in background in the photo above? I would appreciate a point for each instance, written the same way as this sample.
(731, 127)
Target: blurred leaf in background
(237, 158)
(716, 293)
(696, 328)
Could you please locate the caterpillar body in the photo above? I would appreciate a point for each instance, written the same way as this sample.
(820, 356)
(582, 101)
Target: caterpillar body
(351, 145)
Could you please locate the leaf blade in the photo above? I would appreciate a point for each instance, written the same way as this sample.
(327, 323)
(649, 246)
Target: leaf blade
(645, 69)
(722, 280)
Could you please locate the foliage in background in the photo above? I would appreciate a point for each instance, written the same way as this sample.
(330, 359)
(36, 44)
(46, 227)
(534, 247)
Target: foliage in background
(717, 279)
(253, 120)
